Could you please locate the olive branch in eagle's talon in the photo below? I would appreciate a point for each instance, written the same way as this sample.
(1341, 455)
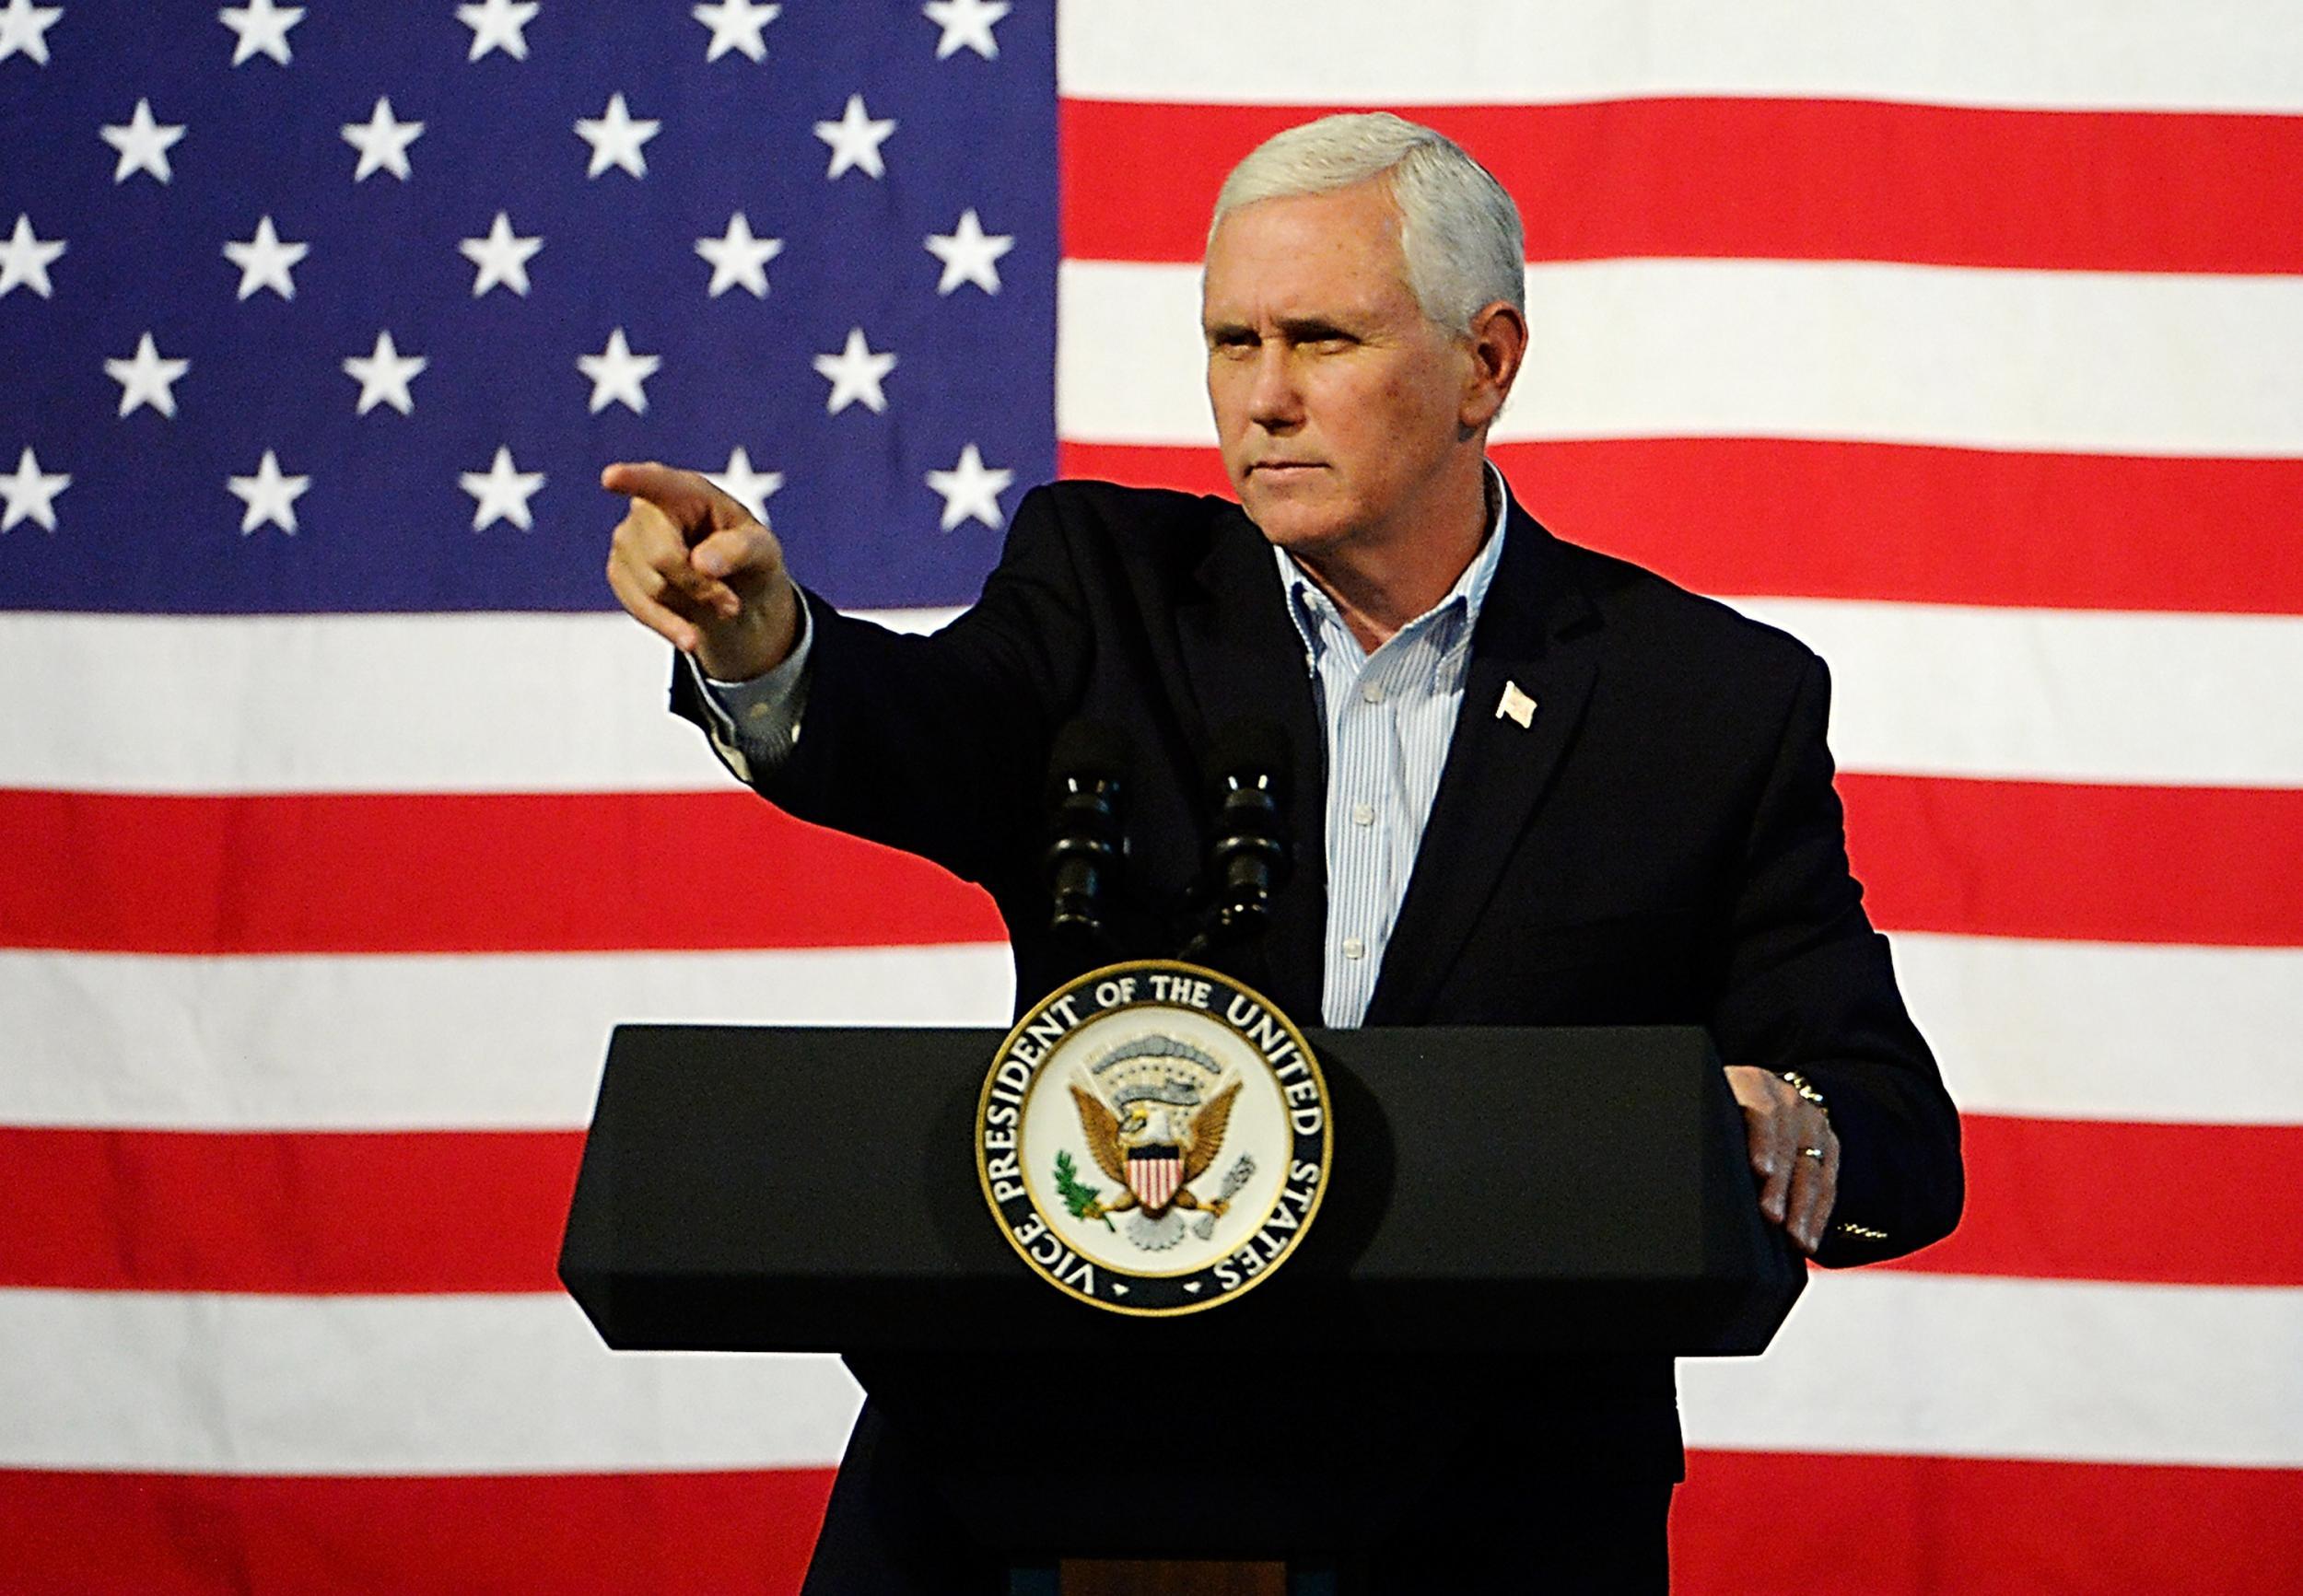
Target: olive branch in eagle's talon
(1081, 1200)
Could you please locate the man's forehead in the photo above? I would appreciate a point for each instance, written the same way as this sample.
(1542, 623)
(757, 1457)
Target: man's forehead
(1363, 220)
(1295, 304)
(1305, 255)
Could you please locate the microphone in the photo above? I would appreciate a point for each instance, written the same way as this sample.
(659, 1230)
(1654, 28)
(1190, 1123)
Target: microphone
(1250, 858)
(1087, 787)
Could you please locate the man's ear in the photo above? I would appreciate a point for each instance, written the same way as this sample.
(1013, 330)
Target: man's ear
(1498, 345)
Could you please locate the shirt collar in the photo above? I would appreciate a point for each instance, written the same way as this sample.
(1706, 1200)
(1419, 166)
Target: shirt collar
(1308, 607)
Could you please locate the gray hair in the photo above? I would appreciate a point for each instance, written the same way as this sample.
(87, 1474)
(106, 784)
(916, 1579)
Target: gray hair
(1460, 232)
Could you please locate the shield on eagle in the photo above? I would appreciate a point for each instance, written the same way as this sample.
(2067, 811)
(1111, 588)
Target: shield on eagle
(1153, 1173)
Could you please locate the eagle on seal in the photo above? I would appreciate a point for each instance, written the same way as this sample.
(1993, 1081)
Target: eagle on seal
(1155, 1147)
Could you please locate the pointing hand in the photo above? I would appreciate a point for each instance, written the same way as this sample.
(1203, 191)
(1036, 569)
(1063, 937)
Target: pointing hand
(693, 565)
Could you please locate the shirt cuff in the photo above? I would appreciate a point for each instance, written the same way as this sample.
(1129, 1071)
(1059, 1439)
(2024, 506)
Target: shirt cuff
(754, 725)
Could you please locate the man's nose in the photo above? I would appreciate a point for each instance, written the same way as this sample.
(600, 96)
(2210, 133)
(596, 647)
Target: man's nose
(1275, 400)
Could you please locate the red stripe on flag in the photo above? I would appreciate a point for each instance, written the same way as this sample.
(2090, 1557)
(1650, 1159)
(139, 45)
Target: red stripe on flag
(2193, 1204)
(322, 1213)
(2074, 861)
(1760, 1524)
(1979, 1526)
(1144, 465)
(312, 1212)
(497, 872)
(324, 873)
(1793, 519)
(1817, 179)
(210, 1534)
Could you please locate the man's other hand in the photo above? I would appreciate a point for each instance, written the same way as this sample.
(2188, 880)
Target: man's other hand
(693, 565)
(1797, 1186)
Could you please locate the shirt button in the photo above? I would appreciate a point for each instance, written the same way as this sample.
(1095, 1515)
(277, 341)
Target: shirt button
(1363, 814)
(1371, 691)
(758, 712)
(1354, 949)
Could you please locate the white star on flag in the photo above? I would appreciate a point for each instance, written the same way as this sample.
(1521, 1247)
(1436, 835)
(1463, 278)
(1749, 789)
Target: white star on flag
(971, 489)
(750, 488)
(855, 372)
(382, 142)
(855, 139)
(23, 259)
(969, 254)
(264, 261)
(31, 492)
(146, 379)
(498, 25)
(501, 492)
(738, 259)
(269, 496)
(616, 138)
(500, 258)
(24, 26)
(736, 25)
(263, 28)
(143, 143)
(383, 375)
(616, 374)
(965, 23)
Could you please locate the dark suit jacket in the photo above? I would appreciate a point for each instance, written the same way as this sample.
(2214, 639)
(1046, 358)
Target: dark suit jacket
(1662, 845)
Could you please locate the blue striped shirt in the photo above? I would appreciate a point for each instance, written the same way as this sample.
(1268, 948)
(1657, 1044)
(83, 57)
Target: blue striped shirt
(1387, 718)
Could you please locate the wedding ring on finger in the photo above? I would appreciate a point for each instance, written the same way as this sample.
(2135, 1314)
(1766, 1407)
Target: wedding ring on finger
(1815, 1153)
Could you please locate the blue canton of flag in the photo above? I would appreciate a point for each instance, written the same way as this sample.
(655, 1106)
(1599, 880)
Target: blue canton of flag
(341, 308)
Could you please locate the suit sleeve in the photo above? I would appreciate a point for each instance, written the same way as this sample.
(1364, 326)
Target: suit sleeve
(934, 744)
(1809, 988)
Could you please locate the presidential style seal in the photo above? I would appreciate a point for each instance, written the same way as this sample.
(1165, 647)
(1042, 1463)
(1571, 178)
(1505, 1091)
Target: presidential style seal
(1154, 1138)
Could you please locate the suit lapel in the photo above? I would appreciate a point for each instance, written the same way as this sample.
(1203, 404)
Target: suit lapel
(1538, 632)
(1243, 657)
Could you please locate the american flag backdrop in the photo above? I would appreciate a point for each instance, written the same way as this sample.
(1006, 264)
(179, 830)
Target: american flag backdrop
(339, 817)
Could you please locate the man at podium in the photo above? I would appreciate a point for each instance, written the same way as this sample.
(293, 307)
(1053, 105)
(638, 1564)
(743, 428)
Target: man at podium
(1536, 785)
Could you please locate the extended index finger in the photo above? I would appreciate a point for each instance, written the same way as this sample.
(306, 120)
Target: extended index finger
(690, 501)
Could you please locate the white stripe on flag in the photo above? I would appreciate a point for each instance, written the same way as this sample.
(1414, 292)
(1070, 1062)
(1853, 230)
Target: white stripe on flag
(2053, 1029)
(378, 1385)
(1885, 1362)
(2064, 695)
(1954, 1366)
(2095, 362)
(2049, 1030)
(2166, 54)
(432, 702)
(2096, 1031)
(1922, 689)
(408, 1043)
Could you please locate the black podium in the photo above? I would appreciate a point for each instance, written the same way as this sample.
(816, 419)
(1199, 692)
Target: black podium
(1496, 1192)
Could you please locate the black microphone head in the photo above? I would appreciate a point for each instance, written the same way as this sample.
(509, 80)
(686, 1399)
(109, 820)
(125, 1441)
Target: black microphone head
(1250, 751)
(1087, 753)
(1087, 780)
(1249, 857)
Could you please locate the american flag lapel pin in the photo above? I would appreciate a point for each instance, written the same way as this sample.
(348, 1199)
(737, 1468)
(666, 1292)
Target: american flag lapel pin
(1516, 706)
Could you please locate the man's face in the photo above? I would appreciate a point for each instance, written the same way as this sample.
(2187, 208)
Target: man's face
(1338, 404)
